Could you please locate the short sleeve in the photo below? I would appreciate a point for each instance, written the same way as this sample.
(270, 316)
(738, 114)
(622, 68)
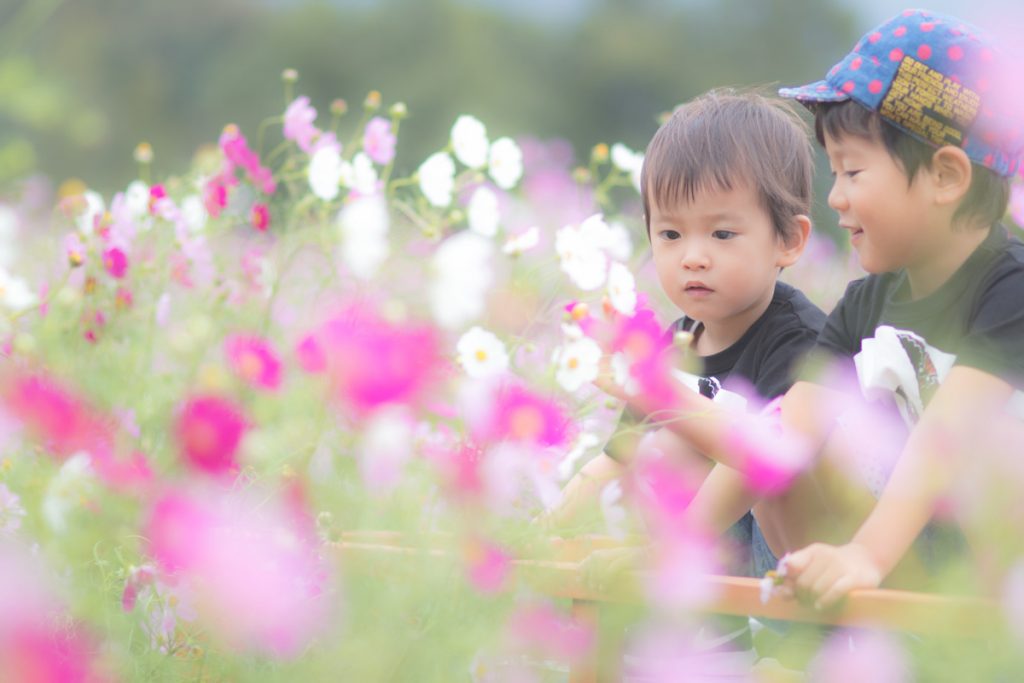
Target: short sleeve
(994, 342)
(776, 372)
(840, 337)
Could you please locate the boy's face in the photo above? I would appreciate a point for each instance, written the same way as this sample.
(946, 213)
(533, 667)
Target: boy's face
(717, 257)
(888, 218)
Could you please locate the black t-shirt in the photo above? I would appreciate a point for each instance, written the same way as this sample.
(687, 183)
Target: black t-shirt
(975, 319)
(764, 356)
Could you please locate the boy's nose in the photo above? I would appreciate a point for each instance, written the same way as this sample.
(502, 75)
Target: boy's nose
(695, 259)
(837, 198)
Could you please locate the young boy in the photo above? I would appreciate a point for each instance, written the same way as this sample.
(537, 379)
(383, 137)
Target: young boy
(726, 187)
(921, 149)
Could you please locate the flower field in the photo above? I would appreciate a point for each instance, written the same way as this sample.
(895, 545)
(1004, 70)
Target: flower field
(211, 377)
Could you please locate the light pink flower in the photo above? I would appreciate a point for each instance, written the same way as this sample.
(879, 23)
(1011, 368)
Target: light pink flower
(771, 456)
(138, 578)
(487, 566)
(252, 562)
(855, 656)
(310, 354)
(74, 248)
(543, 629)
(378, 141)
(518, 415)
(254, 360)
(298, 123)
(209, 431)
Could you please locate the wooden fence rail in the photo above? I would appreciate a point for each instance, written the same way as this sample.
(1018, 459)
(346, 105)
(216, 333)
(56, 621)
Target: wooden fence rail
(559, 575)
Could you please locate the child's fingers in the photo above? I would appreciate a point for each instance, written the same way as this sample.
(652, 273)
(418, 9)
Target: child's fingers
(836, 593)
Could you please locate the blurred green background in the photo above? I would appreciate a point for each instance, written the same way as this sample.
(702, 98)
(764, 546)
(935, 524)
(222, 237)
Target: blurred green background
(83, 81)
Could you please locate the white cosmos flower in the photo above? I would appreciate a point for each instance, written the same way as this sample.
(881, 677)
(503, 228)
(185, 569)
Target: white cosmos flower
(363, 227)
(194, 213)
(437, 179)
(620, 245)
(481, 353)
(462, 275)
(94, 208)
(629, 161)
(578, 363)
(581, 252)
(8, 235)
(15, 294)
(325, 169)
(506, 163)
(469, 140)
(622, 289)
(364, 174)
(482, 212)
(623, 377)
(524, 241)
(73, 483)
(136, 197)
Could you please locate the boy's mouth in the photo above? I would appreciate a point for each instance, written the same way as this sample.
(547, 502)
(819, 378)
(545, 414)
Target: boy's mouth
(695, 288)
(855, 232)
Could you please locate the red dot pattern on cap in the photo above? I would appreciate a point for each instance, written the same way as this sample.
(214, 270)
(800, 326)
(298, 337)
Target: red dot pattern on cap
(874, 37)
(928, 26)
(848, 86)
(875, 87)
(855, 64)
(900, 31)
(896, 54)
(925, 51)
(956, 53)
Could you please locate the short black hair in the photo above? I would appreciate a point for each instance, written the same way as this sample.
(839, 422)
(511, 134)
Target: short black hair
(988, 195)
(726, 138)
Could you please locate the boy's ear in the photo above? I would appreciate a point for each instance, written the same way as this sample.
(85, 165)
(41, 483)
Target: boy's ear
(951, 174)
(796, 240)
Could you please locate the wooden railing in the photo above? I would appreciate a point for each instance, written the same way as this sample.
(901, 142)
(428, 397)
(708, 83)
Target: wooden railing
(559, 575)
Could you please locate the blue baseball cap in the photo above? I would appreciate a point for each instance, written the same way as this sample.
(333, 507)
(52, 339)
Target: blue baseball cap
(935, 77)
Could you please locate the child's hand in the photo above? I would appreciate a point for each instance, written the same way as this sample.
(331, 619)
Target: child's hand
(824, 573)
(603, 568)
(606, 380)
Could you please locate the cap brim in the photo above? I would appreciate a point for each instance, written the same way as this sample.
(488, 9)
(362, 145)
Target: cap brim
(819, 91)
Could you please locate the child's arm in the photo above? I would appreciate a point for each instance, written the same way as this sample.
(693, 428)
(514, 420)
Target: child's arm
(926, 469)
(583, 489)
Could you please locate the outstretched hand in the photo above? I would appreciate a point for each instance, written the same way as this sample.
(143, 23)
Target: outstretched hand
(824, 574)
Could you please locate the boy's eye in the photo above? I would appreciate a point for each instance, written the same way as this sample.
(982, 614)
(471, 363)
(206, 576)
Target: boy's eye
(723, 234)
(669, 234)
(851, 174)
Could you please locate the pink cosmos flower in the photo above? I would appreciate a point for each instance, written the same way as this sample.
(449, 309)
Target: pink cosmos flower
(252, 564)
(209, 431)
(254, 360)
(75, 250)
(157, 194)
(487, 566)
(378, 141)
(542, 628)
(519, 415)
(311, 354)
(238, 153)
(115, 262)
(372, 361)
(260, 216)
(54, 415)
(138, 578)
(855, 656)
(772, 456)
(217, 189)
(298, 123)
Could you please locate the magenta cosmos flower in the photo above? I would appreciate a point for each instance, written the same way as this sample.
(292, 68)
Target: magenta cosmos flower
(209, 431)
(373, 362)
(378, 140)
(254, 360)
